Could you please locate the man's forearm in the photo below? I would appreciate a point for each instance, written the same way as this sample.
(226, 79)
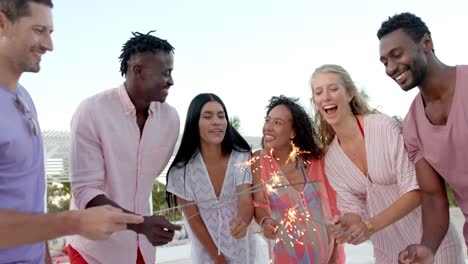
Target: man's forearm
(435, 212)
(19, 229)
(103, 200)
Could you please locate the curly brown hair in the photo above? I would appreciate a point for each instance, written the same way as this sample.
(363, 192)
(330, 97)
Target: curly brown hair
(306, 136)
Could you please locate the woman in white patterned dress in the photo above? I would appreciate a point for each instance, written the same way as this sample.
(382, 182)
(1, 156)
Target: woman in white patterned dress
(208, 173)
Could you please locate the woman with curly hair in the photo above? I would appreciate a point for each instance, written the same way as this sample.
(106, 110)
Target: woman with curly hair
(296, 199)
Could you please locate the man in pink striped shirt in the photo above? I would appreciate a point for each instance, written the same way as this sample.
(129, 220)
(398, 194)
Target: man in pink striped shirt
(122, 139)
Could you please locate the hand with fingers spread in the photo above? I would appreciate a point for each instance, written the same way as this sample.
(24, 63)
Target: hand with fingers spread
(270, 228)
(99, 223)
(157, 230)
(416, 254)
(238, 227)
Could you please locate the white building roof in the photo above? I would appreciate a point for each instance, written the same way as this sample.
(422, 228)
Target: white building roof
(57, 149)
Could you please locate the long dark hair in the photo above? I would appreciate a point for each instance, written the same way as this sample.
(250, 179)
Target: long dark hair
(190, 143)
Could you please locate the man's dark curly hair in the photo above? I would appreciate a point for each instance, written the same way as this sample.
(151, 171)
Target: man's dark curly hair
(409, 23)
(142, 43)
(306, 135)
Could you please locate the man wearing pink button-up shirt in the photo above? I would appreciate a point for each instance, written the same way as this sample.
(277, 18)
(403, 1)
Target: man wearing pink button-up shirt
(122, 139)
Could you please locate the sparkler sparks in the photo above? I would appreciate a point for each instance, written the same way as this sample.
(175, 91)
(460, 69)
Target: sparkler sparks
(275, 182)
(293, 226)
(296, 226)
(290, 218)
(253, 189)
(295, 153)
(246, 164)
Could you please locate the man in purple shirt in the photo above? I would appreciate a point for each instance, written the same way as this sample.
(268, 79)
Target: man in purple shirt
(25, 35)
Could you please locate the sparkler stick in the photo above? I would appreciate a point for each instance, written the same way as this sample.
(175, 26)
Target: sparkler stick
(209, 200)
(290, 218)
(250, 190)
(329, 226)
(271, 186)
(333, 228)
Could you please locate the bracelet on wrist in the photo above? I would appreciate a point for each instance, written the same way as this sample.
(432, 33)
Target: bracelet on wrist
(263, 219)
(369, 225)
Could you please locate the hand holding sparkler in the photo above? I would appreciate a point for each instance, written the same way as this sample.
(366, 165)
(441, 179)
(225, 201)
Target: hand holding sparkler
(361, 233)
(348, 229)
(336, 226)
(157, 230)
(269, 227)
(238, 227)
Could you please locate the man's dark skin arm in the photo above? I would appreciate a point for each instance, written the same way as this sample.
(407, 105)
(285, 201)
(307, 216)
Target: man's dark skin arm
(435, 214)
(156, 228)
(435, 205)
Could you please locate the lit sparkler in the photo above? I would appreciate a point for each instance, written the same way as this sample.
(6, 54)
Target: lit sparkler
(246, 164)
(253, 189)
(295, 153)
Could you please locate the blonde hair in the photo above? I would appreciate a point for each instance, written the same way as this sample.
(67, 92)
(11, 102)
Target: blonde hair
(358, 104)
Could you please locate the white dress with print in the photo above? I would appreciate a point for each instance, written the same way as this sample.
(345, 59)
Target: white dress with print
(216, 213)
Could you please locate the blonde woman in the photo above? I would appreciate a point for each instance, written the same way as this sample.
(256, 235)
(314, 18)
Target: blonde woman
(368, 166)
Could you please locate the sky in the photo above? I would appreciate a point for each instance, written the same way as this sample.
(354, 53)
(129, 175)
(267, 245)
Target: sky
(243, 51)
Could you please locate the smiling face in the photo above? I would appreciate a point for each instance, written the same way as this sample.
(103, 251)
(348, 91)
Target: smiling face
(212, 124)
(278, 128)
(154, 73)
(24, 41)
(331, 97)
(404, 59)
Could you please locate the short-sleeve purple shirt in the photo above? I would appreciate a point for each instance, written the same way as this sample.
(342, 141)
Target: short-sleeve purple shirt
(22, 173)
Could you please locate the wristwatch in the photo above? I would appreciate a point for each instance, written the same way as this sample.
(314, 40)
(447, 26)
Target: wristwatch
(370, 226)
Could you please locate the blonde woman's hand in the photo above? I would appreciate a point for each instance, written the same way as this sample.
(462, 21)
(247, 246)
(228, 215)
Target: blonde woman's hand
(358, 233)
(337, 228)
